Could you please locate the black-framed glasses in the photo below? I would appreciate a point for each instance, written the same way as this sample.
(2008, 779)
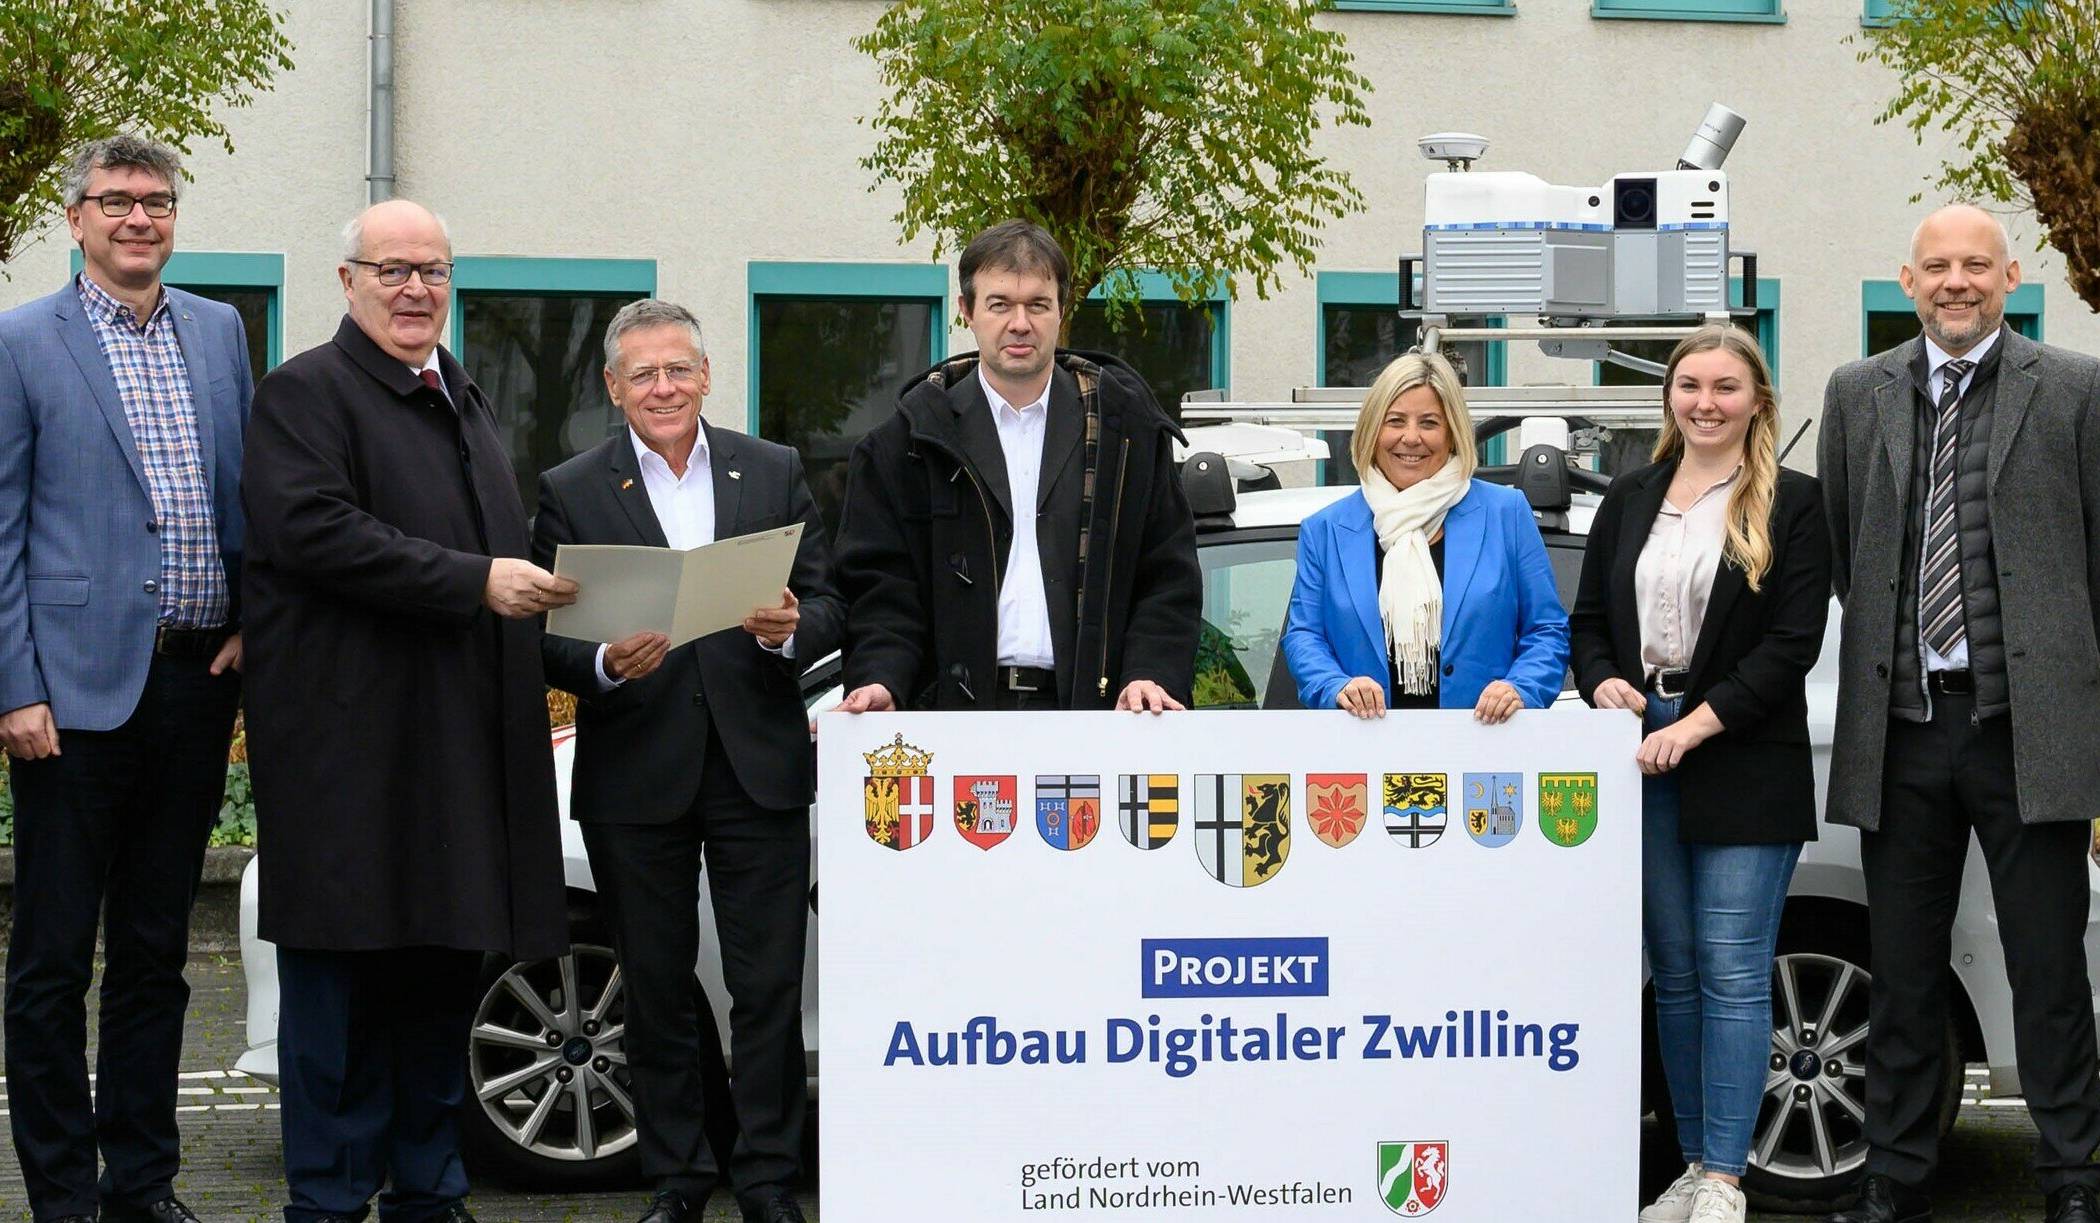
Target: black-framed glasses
(393, 274)
(119, 203)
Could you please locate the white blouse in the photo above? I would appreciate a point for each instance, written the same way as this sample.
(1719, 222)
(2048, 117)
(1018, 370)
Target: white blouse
(1674, 576)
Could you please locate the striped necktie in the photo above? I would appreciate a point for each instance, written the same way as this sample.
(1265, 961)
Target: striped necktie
(1939, 608)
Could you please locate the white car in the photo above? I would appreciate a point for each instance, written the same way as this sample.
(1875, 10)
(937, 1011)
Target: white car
(550, 1110)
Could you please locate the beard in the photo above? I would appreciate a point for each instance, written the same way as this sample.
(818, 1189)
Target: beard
(1986, 320)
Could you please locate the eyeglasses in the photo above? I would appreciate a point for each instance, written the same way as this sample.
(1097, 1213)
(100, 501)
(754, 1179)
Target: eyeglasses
(392, 274)
(645, 377)
(118, 204)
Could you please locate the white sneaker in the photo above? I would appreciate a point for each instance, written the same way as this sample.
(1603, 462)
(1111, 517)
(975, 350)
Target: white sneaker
(1717, 1202)
(1675, 1203)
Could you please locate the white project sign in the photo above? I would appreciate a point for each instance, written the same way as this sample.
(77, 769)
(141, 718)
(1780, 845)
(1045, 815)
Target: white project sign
(1284, 965)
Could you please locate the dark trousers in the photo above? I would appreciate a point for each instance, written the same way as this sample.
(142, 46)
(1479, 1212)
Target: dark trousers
(372, 1059)
(1942, 779)
(112, 828)
(648, 877)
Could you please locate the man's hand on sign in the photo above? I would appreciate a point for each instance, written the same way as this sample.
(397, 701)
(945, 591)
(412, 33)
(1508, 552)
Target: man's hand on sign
(1144, 696)
(869, 698)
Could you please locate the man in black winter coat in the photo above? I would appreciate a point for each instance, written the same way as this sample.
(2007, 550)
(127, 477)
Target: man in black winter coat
(1016, 537)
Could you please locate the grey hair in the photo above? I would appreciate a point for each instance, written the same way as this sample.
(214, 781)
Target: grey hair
(354, 235)
(121, 151)
(649, 312)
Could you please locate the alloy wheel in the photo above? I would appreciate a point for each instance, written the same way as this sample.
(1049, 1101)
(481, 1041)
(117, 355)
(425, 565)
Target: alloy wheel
(1810, 1125)
(545, 1057)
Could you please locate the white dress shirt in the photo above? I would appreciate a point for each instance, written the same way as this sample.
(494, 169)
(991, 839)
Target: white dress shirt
(685, 508)
(1936, 359)
(1024, 609)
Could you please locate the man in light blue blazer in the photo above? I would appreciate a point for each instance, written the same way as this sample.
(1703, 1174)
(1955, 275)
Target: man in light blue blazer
(122, 409)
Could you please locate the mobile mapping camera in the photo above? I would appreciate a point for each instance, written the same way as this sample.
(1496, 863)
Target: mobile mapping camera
(1648, 244)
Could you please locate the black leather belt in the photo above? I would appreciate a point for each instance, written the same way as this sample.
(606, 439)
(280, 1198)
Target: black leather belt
(1027, 679)
(188, 642)
(1951, 683)
(1669, 683)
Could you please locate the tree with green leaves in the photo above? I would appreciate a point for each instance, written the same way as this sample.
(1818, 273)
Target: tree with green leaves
(2018, 82)
(79, 70)
(1169, 134)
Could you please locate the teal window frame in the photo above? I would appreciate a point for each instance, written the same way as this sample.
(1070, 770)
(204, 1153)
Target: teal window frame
(820, 281)
(1383, 289)
(1463, 8)
(227, 270)
(1156, 288)
(1767, 327)
(538, 274)
(1877, 12)
(1765, 12)
(2023, 307)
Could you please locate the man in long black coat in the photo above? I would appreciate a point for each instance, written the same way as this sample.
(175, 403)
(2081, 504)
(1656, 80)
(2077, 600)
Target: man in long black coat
(396, 729)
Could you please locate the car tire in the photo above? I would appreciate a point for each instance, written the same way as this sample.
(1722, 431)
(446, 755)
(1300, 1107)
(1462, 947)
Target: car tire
(530, 1042)
(1809, 1147)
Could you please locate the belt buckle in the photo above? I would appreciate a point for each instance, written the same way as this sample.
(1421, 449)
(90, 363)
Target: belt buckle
(1662, 682)
(1014, 681)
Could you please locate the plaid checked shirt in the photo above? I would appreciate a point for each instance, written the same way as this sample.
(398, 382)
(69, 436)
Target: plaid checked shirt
(154, 385)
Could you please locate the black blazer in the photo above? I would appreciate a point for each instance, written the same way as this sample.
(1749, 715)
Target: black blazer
(639, 747)
(1754, 782)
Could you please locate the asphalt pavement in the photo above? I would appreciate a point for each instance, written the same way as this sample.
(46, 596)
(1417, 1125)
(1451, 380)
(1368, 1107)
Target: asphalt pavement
(232, 1169)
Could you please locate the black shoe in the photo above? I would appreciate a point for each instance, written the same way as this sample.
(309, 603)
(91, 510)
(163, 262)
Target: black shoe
(780, 1208)
(668, 1207)
(455, 1213)
(167, 1210)
(2074, 1204)
(1884, 1199)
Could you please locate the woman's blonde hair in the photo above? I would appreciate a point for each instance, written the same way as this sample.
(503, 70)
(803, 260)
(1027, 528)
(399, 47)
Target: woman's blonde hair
(1749, 544)
(1406, 372)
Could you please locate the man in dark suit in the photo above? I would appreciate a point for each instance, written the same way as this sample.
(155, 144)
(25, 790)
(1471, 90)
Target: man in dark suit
(1015, 535)
(397, 730)
(122, 409)
(701, 750)
(1962, 475)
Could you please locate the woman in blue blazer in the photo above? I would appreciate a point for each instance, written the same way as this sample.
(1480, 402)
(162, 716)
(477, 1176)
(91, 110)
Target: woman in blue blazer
(1426, 588)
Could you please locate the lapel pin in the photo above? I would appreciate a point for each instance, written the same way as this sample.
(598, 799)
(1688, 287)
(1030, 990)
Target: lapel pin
(736, 475)
(625, 485)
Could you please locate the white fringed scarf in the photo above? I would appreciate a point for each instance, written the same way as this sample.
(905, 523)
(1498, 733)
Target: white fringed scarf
(1410, 595)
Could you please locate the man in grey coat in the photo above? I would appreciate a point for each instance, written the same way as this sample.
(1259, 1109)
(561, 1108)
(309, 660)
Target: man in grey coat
(1962, 476)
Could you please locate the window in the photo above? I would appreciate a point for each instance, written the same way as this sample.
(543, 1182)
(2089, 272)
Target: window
(1888, 317)
(1174, 346)
(1476, 8)
(251, 284)
(832, 345)
(1878, 12)
(531, 333)
(1691, 10)
(1359, 334)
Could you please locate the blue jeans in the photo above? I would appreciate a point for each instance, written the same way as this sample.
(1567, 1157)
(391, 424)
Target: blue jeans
(1710, 916)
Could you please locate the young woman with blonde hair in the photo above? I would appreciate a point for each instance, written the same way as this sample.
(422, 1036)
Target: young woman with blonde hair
(1704, 593)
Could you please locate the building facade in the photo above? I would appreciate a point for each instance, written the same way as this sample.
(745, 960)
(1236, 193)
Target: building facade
(707, 151)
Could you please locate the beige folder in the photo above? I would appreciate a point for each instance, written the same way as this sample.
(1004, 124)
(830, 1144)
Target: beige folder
(626, 589)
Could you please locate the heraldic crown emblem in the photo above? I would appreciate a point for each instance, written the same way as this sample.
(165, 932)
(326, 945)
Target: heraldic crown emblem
(897, 759)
